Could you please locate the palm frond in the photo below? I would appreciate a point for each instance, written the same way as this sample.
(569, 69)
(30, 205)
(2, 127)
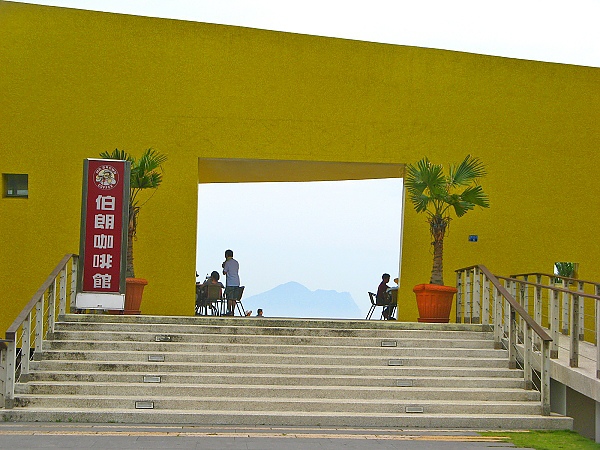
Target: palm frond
(467, 172)
(476, 196)
(117, 154)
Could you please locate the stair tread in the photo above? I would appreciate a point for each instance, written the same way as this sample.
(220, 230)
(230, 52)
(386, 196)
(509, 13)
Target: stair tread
(282, 413)
(271, 386)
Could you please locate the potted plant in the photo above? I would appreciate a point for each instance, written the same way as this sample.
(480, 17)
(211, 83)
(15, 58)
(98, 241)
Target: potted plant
(564, 269)
(146, 174)
(437, 195)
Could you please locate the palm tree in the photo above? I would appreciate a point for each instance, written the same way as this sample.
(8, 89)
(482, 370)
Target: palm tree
(146, 173)
(436, 195)
(564, 269)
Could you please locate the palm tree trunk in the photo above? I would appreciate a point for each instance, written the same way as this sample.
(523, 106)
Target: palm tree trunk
(129, 273)
(438, 231)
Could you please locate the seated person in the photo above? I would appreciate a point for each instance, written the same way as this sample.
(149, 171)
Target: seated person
(213, 279)
(202, 289)
(385, 298)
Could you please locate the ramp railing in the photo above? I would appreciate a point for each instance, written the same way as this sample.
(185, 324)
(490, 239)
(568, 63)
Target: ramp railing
(482, 298)
(566, 306)
(25, 337)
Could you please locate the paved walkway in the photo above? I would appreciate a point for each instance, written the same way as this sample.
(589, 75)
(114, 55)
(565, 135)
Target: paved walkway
(130, 437)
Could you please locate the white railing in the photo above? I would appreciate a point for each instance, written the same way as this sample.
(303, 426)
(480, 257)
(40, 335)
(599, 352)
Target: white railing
(25, 337)
(482, 298)
(566, 306)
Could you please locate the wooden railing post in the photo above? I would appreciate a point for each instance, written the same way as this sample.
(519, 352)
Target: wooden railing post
(62, 305)
(486, 301)
(476, 316)
(11, 365)
(524, 290)
(51, 308)
(565, 312)
(527, 354)
(25, 346)
(506, 309)
(553, 319)
(459, 296)
(467, 297)
(74, 265)
(3, 372)
(498, 328)
(512, 339)
(537, 308)
(39, 326)
(574, 337)
(545, 378)
(581, 312)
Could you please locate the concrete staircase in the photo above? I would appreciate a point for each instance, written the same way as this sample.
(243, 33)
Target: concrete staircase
(278, 372)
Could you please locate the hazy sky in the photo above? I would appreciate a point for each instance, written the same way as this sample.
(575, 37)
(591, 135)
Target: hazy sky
(327, 235)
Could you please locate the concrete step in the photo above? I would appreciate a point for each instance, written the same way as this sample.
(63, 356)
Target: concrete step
(397, 420)
(277, 379)
(270, 349)
(236, 358)
(264, 368)
(290, 404)
(289, 324)
(263, 329)
(392, 339)
(233, 391)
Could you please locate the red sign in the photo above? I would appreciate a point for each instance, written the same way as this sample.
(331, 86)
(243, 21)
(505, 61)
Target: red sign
(105, 211)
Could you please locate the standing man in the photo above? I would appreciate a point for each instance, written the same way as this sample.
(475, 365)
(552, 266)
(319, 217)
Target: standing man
(232, 281)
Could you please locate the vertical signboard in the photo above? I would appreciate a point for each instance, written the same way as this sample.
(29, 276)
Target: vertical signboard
(103, 237)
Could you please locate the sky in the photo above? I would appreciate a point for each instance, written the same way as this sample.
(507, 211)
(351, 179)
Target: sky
(325, 235)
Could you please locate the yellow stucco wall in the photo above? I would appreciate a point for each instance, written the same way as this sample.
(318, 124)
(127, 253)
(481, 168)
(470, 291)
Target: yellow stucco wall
(75, 83)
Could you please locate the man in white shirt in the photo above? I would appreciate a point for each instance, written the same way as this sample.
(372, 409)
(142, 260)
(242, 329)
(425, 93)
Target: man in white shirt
(232, 280)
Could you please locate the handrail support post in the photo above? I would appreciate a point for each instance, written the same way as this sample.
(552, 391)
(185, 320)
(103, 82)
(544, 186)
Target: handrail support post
(574, 337)
(512, 339)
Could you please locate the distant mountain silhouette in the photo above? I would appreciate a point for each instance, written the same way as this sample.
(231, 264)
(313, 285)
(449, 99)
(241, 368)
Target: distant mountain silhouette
(295, 300)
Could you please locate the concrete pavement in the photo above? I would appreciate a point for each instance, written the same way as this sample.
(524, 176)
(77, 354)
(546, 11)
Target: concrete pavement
(135, 437)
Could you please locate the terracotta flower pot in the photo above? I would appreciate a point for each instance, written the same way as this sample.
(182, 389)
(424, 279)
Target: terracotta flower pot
(434, 302)
(133, 295)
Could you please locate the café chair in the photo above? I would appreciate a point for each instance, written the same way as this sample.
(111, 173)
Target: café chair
(208, 297)
(375, 304)
(235, 295)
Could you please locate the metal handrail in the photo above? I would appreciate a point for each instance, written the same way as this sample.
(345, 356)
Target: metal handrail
(596, 284)
(25, 336)
(10, 333)
(573, 313)
(505, 325)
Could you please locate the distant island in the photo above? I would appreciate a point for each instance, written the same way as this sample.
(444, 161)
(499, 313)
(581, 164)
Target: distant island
(295, 300)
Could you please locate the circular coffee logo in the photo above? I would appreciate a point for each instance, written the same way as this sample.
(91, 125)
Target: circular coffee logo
(106, 177)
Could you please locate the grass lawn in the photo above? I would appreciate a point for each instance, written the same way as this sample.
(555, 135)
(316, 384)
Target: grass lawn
(547, 440)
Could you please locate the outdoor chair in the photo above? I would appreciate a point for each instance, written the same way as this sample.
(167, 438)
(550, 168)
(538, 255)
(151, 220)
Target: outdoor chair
(207, 298)
(375, 304)
(235, 295)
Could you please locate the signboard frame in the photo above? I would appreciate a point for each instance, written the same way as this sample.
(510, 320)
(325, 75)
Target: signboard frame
(117, 173)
